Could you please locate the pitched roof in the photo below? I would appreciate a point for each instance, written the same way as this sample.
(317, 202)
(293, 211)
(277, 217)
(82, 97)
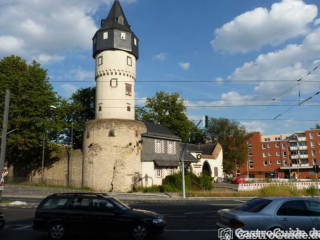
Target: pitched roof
(112, 20)
(206, 149)
(158, 130)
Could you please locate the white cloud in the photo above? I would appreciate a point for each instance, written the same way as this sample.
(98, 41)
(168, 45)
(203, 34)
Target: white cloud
(316, 22)
(255, 126)
(160, 56)
(219, 80)
(253, 29)
(49, 59)
(285, 64)
(81, 75)
(69, 88)
(48, 27)
(184, 65)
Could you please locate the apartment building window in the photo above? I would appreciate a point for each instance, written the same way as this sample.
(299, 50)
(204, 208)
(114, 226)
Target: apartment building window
(312, 144)
(265, 163)
(171, 147)
(284, 146)
(267, 139)
(249, 144)
(278, 153)
(284, 154)
(269, 154)
(250, 152)
(313, 153)
(278, 162)
(318, 142)
(311, 135)
(250, 160)
(250, 166)
(270, 162)
(277, 138)
(159, 146)
(264, 154)
(277, 145)
(285, 163)
(318, 134)
(268, 145)
(238, 172)
(263, 146)
(314, 161)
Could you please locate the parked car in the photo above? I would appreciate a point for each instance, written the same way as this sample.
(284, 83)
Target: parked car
(237, 180)
(61, 214)
(272, 213)
(2, 221)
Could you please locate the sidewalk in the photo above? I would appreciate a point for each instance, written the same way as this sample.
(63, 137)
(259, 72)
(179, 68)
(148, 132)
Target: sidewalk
(38, 193)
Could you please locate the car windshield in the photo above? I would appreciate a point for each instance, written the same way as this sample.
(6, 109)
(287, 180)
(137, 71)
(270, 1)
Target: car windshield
(120, 204)
(255, 205)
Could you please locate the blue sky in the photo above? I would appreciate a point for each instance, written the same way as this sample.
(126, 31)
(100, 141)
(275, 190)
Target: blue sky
(219, 50)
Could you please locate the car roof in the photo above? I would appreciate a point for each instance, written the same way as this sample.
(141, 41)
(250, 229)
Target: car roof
(73, 194)
(290, 198)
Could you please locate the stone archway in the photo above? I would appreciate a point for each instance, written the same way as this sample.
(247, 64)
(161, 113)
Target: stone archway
(206, 169)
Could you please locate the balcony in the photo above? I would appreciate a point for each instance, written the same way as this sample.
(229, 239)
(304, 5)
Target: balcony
(303, 148)
(302, 156)
(293, 148)
(301, 165)
(302, 139)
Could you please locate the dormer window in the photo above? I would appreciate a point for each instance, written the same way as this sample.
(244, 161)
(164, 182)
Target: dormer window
(135, 41)
(105, 35)
(123, 36)
(121, 20)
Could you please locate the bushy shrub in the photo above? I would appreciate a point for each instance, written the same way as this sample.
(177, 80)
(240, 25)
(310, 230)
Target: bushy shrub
(205, 182)
(311, 190)
(279, 190)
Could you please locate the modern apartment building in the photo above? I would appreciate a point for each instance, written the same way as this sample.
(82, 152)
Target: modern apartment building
(277, 156)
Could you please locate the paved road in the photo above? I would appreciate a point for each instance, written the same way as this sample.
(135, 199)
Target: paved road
(185, 219)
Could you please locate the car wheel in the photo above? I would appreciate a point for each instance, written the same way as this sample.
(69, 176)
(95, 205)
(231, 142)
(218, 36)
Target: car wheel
(140, 232)
(57, 231)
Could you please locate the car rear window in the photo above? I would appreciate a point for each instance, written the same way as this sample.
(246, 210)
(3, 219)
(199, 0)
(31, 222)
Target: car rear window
(56, 202)
(255, 205)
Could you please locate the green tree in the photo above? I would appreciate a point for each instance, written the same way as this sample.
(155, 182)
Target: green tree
(317, 126)
(30, 114)
(233, 139)
(168, 110)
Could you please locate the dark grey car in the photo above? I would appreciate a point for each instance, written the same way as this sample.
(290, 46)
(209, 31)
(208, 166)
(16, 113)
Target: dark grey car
(270, 213)
(2, 221)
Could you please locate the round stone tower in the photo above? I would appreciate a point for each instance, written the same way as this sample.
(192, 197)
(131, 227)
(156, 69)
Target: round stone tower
(112, 142)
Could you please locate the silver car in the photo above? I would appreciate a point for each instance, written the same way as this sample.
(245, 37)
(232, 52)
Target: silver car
(272, 213)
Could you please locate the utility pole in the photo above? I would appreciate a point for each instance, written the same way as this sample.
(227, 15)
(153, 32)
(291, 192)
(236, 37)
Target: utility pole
(42, 161)
(4, 133)
(71, 154)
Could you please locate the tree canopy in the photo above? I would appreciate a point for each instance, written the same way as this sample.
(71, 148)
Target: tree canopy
(233, 139)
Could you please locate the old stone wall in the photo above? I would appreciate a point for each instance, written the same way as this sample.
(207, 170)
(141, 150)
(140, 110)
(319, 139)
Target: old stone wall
(112, 154)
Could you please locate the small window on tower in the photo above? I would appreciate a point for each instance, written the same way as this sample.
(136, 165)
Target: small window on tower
(123, 36)
(114, 83)
(128, 108)
(105, 35)
(100, 108)
(100, 60)
(128, 89)
(121, 20)
(135, 41)
(129, 61)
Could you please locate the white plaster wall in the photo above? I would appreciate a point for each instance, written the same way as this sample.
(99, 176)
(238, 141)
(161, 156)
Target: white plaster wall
(115, 62)
(218, 162)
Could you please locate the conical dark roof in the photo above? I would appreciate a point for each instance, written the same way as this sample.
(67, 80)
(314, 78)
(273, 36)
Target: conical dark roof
(116, 19)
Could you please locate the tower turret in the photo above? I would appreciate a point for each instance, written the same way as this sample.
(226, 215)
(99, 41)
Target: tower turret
(115, 49)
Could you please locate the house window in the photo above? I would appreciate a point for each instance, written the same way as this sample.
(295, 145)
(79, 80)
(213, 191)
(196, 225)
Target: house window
(284, 146)
(250, 160)
(171, 147)
(314, 153)
(105, 35)
(270, 162)
(249, 144)
(159, 146)
(285, 163)
(263, 146)
(100, 60)
(114, 82)
(264, 154)
(265, 163)
(250, 166)
(267, 139)
(279, 162)
(123, 36)
(312, 144)
(129, 61)
(135, 41)
(238, 172)
(284, 154)
(277, 145)
(128, 89)
(278, 153)
(311, 135)
(158, 172)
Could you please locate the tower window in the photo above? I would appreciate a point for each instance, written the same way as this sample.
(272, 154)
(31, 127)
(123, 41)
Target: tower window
(94, 40)
(128, 89)
(100, 108)
(123, 36)
(100, 60)
(105, 35)
(114, 82)
(129, 61)
(111, 133)
(135, 41)
(128, 108)
(121, 20)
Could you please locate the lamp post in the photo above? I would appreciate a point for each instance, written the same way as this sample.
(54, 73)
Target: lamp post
(43, 149)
